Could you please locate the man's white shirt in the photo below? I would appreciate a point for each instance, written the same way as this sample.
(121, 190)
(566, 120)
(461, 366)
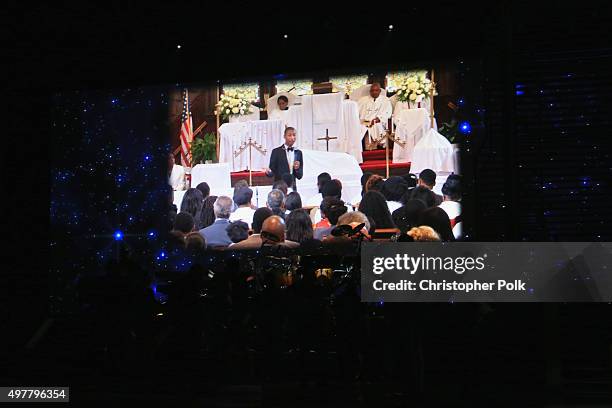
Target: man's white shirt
(243, 214)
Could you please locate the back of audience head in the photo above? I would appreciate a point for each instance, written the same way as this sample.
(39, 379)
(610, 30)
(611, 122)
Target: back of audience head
(194, 241)
(192, 203)
(355, 217)
(364, 179)
(436, 218)
(204, 188)
(208, 212)
(374, 205)
(299, 226)
(184, 223)
(223, 207)
(240, 184)
(281, 185)
(293, 201)
(273, 230)
(322, 179)
(288, 179)
(238, 231)
(424, 194)
(427, 178)
(411, 180)
(243, 196)
(394, 188)
(452, 188)
(375, 182)
(259, 216)
(275, 201)
(332, 208)
(423, 234)
(331, 188)
(406, 216)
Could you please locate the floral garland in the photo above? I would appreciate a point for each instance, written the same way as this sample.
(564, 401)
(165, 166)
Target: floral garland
(299, 87)
(349, 83)
(250, 91)
(412, 88)
(233, 103)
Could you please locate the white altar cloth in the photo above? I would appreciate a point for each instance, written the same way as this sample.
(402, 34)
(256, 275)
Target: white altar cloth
(268, 133)
(434, 152)
(217, 175)
(317, 114)
(411, 126)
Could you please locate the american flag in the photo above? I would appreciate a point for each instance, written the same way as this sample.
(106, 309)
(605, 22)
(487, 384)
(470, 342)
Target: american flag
(186, 132)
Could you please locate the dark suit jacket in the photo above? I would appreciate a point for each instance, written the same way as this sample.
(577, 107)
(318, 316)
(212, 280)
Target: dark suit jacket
(279, 165)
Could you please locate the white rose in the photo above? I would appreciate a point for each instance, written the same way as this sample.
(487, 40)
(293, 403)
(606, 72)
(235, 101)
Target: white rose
(235, 110)
(412, 86)
(413, 97)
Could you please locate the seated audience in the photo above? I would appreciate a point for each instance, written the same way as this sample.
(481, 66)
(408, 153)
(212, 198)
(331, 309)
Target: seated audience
(245, 211)
(208, 213)
(204, 188)
(184, 223)
(317, 198)
(424, 194)
(423, 234)
(237, 231)
(299, 226)
(254, 241)
(375, 207)
(452, 203)
(364, 179)
(289, 181)
(331, 209)
(192, 203)
(216, 234)
(411, 180)
(242, 183)
(436, 218)
(331, 188)
(393, 189)
(406, 216)
(427, 178)
(276, 202)
(353, 219)
(195, 242)
(273, 233)
(282, 186)
(375, 182)
(292, 202)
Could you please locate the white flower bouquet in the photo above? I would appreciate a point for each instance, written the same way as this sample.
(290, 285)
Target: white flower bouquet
(233, 103)
(414, 88)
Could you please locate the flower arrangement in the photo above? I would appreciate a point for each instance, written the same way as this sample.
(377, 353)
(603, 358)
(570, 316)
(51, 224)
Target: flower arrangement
(233, 103)
(414, 88)
(299, 87)
(249, 90)
(349, 83)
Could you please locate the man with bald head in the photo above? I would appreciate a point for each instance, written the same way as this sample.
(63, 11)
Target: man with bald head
(273, 233)
(374, 111)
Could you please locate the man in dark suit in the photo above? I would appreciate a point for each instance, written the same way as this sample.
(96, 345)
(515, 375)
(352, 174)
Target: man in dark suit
(286, 162)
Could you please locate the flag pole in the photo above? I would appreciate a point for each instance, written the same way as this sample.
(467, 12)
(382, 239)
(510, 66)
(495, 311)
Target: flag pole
(217, 113)
(431, 99)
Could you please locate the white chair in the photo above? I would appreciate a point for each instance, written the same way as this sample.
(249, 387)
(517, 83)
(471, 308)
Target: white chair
(272, 103)
(362, 91)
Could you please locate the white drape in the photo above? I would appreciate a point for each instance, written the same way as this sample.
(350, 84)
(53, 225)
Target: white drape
(268, 133)
(434, 152)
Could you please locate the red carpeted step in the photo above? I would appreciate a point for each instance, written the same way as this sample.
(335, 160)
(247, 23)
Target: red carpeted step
(373, 155)
(380, 164)
(245, 174)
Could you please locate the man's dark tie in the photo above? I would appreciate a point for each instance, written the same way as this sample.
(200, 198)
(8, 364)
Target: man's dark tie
(290, 149)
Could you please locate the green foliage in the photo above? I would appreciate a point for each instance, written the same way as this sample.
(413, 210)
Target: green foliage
(204, 148)
(450, 130)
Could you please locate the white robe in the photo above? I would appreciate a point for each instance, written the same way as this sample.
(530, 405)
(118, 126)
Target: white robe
(370, 108)
(278, 114)
(177, 178)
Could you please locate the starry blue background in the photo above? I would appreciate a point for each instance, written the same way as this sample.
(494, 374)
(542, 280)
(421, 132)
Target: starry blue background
(107, 188)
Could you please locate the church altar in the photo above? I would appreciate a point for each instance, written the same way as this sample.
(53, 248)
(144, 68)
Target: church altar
(268, 133)
(339, 165)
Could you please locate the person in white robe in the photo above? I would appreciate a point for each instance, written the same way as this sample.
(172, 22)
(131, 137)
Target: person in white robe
(176, 174)
(374, 112)
(281, 110)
